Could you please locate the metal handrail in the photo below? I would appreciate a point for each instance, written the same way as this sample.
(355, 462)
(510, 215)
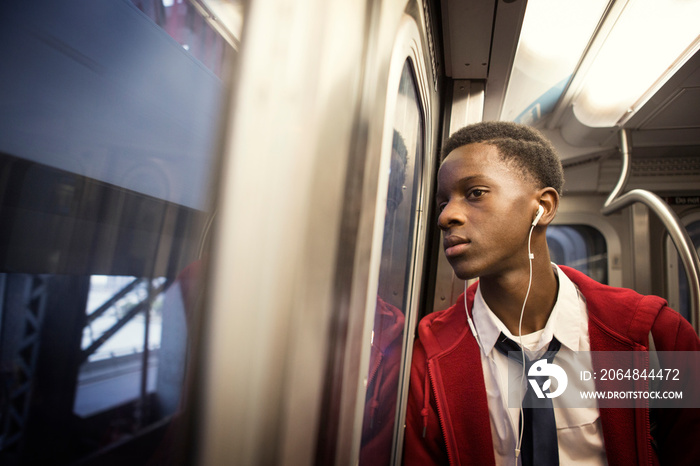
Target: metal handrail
(679, 235)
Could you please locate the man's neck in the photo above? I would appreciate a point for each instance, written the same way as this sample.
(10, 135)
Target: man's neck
(505, 295)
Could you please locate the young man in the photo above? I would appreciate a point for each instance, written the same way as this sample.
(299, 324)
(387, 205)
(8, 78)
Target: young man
(498, 189)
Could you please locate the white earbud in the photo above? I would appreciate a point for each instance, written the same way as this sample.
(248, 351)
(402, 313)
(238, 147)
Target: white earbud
(540, 211)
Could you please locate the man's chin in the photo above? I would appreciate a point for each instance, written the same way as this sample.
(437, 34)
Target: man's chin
(464, 273)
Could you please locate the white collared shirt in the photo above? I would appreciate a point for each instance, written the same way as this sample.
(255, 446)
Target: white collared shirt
(579, 432)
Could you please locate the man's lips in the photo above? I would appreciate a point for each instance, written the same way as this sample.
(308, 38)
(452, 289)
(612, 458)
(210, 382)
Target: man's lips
(455, 245)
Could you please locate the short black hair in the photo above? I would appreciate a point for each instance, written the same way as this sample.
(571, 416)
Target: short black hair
(522, 145)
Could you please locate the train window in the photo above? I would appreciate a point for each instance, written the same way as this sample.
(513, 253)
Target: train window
(120, 343)
(110, 111)
(393, 296)
(679, 294)
(581, 247)
(184, 22)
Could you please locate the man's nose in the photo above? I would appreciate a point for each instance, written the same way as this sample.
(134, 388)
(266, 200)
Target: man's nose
(450, 216)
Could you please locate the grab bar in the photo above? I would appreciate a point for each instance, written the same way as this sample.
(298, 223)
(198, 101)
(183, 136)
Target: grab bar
(679, 235)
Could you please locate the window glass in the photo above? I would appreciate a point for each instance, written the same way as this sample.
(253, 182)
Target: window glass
(183, 21)
(581, 247)
(393, 297)
(121, 342)
(684, 293)
(109, 113)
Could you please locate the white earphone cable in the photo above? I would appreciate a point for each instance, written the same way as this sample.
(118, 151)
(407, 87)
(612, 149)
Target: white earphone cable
(520, 337)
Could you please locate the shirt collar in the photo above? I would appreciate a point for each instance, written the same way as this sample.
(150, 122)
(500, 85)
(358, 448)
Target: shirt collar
(569, 319)
(564, 322)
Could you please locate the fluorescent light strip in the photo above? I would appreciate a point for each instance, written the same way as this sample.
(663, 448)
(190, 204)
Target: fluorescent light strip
(649, 41)
(553, 38)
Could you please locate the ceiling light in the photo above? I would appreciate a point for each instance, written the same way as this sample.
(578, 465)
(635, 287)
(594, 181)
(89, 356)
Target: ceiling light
(553, 38)
(643, 44)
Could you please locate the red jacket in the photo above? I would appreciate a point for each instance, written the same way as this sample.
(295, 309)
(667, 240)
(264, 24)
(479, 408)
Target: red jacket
(448, 419)
(382, 385)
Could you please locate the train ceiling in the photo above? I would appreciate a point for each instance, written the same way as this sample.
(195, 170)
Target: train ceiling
(481, 39)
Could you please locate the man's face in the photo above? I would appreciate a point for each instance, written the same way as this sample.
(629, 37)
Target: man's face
(486, 210)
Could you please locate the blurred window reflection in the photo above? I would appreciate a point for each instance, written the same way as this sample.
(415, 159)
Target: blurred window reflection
(190, 24)
(109, 118)
(121, 342)
(398, 251)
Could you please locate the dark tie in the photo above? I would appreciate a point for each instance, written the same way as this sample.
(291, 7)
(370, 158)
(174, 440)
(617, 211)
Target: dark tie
(539, 445)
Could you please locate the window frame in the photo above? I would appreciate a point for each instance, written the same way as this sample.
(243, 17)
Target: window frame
(407, 48)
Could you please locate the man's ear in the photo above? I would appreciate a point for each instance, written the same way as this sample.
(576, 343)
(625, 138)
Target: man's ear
(549, 200)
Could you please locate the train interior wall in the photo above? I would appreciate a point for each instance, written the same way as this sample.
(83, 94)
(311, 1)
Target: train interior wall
(642, 260)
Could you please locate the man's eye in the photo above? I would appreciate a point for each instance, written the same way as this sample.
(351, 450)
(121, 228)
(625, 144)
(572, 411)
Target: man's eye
(442, 206)
(476, 193)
